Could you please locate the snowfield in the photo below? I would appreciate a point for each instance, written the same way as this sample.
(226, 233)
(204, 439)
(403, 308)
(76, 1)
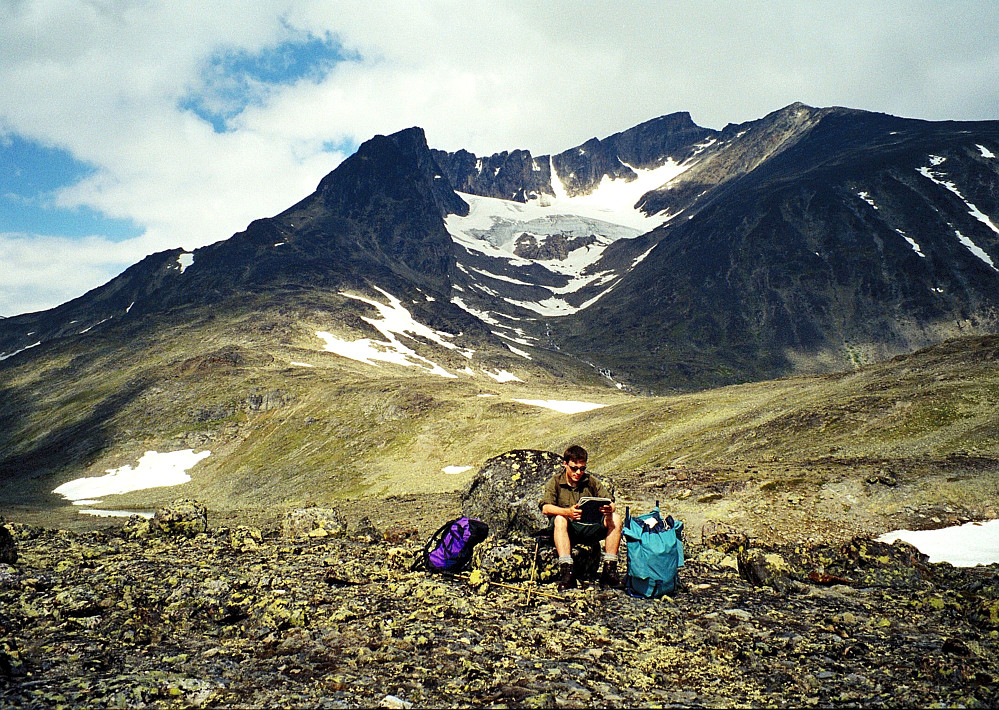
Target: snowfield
(962, 545)
(154, 470)
(565, 406)
(596, 220)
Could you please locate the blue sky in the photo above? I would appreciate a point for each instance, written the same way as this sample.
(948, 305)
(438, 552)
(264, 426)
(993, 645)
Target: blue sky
(132, 126)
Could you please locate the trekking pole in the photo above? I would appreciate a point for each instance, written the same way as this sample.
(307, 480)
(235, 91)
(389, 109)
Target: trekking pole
(534, 567)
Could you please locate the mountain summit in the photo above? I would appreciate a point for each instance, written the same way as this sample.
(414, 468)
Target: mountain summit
(666, 256)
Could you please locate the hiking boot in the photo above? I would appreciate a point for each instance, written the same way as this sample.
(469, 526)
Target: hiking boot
(568, 580)
(609, 577)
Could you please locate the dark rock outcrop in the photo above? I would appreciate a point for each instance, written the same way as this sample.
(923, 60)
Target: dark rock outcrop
(763, 568)
(8, 548)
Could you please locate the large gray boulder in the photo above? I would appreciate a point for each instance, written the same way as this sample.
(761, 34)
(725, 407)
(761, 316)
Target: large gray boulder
(505, 492)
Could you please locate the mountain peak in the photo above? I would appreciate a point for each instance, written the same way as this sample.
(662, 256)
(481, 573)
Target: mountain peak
(388, 167)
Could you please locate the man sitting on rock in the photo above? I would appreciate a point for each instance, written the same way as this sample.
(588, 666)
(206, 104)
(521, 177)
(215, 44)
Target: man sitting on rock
(560, 503)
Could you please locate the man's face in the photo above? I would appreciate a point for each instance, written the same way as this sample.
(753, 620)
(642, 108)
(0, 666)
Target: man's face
(574, 471)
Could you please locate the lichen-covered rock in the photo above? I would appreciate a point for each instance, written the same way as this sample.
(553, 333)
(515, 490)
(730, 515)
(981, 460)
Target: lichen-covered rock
(10, 660)
(764, 568)
(175, 622)
(897, 565)
(722, 537)
(137, 527)
(365, 531)
(185, 518)
(8, 549)
(8, 577)
(314, 522)
(245, 538)
(505, 492)
(513, 560)
(398, 533)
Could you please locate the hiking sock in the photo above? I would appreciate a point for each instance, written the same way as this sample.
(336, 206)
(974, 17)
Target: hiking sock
(565, 560)
(607, 557)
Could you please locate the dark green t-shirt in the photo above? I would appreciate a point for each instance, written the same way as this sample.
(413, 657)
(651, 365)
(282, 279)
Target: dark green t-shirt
(559, 493)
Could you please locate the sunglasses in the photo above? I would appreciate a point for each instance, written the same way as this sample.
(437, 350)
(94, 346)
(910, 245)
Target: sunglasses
(576, 468)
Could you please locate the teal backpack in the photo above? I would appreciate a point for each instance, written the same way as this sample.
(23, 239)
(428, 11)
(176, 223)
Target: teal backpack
(655, 553)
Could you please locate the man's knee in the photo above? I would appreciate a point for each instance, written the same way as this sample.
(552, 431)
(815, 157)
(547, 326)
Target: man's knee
(560, 523)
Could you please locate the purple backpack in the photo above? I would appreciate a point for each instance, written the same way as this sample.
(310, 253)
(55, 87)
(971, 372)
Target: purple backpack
(449, 549)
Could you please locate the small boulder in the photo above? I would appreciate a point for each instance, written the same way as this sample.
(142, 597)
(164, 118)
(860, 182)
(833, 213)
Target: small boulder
(185, 518)
(505, 492)
(766, 569)
(365, 531)
(722, 537)
(8, 549)
(314, 522)
(245, 539)
(398, 533)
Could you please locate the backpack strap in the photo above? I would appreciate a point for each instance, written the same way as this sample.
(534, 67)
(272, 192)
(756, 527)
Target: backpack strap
(424, 559)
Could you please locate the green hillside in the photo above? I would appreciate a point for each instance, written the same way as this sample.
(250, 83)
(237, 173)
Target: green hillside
(289, 424)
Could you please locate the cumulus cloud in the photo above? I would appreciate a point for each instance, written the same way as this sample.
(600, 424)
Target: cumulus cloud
(189, 145)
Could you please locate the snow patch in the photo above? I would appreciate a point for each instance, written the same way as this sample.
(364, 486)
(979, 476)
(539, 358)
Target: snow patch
(517, 351)
(639, 259)
(451, 470)
(483, 316)
(912, 243)
(498, 277)
(961, 545)
(395, 321)
(4, 356)
(89, 328)
(154, 470)
(300, 364)
(521, 340)
(565, 406)
(975, 249)
(867, 198)
(184, 260)
(503, 376)
(986, 153)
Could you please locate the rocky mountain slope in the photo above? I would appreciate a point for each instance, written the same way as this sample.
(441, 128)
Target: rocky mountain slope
(667, 256)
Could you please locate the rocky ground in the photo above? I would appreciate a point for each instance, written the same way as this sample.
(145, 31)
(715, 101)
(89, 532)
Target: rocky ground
(166, 614)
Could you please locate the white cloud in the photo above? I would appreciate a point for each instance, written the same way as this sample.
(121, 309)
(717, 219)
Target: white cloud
(41, 271)
(108, 81)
